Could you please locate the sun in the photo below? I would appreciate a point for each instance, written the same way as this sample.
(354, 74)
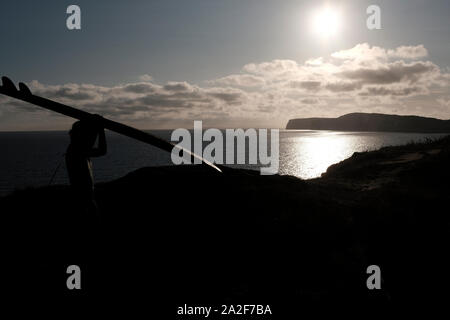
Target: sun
(327, 22)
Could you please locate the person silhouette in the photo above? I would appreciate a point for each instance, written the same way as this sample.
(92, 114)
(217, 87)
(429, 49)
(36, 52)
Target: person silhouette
(83, 136)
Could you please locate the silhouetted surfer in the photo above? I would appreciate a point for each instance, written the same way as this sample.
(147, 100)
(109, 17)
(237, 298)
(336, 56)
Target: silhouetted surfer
(79, 167)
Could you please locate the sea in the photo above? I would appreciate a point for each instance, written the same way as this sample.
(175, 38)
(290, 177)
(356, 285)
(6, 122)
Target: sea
(34, 159)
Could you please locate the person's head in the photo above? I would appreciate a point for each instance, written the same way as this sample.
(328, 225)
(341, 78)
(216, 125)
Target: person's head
(83, 134)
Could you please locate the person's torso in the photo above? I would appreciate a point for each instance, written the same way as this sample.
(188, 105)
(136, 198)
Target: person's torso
(79, 168)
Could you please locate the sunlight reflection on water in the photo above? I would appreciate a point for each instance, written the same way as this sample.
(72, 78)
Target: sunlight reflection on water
(308, 154)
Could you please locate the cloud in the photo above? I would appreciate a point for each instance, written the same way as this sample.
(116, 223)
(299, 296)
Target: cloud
(146, 78)
(240, 80)
(228, 95)
(364, 51)
(139, 88)
(398, 71)
(140, 100)
(314, 101)
(307, 85)
(393, 91)
(343, 86)
(361, 51)
(71, 91)
(362, 78)
(409, 52)
(178, 86)
(314, 62)
(444, 102)
(272, 67)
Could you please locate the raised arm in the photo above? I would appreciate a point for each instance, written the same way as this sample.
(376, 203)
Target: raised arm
(101, 148)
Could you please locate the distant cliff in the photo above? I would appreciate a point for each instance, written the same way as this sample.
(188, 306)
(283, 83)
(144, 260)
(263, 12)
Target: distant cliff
(373, 122)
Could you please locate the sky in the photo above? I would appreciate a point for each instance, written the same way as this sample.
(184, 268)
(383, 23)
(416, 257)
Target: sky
(231, 63)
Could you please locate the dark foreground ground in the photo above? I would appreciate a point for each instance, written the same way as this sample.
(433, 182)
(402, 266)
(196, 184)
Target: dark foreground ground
(186, 235)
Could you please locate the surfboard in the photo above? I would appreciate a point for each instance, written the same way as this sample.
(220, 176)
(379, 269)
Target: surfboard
(24, 93)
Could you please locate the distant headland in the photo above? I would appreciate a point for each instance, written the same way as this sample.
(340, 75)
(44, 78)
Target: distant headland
(373, 122)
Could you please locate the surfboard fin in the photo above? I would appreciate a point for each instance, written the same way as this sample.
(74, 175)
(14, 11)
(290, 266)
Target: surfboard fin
(24, 89)
(8, 84)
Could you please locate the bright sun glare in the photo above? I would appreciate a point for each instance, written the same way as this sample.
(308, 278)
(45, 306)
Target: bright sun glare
(326, 22)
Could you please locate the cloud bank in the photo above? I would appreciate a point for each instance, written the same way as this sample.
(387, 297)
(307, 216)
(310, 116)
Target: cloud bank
(363, 78)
